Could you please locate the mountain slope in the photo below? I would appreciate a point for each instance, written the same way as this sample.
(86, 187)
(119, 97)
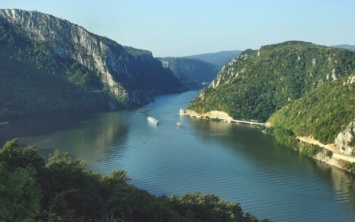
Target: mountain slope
(192, 72)
(55, 55)
(219, 58)
(322, 113)
(258, 83)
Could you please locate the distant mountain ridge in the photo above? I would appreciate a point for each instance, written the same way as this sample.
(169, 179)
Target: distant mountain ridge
(219, 58)
(80, 61)
(198, 70)
(345, 46)
(193, 73)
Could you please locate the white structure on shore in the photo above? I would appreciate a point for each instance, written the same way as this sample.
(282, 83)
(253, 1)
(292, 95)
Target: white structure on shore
(217, 115)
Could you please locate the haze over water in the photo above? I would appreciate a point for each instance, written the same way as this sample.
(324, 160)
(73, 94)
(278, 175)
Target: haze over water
(235, 162)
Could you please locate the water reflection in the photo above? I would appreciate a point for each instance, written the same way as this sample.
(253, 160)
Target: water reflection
(92, 138)
(342, 182)
(41, 125)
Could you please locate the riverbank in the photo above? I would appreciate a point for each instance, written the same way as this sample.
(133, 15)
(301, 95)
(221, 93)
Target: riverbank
(336, 158)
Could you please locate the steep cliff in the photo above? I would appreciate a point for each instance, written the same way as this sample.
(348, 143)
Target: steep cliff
(191, 72)
(130, 76)
(345, 140)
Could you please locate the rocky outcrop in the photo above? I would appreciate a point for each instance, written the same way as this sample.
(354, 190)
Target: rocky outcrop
(346, 140)
(131, 75)
(229, 71)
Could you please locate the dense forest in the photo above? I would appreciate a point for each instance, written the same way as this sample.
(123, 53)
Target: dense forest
(63, 189)
(323, 112)
(258, 83)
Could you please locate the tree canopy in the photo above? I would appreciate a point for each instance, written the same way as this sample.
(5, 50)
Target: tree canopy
(321, 113)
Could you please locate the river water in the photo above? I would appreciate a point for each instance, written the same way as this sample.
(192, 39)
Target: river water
(235, 162)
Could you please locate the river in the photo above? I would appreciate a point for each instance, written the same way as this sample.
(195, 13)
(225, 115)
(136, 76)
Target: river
(234, 161)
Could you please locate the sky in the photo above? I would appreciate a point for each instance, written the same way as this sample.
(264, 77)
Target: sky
(190, 27)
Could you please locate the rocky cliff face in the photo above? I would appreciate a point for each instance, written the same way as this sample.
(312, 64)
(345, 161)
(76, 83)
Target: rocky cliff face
(345, 140)
(118, 68)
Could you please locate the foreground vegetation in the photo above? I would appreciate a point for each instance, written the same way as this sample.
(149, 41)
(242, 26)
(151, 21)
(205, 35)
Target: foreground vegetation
(64, 190)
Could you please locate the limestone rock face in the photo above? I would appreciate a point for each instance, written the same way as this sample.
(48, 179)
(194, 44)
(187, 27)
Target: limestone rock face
(119, 68)
(346, 140)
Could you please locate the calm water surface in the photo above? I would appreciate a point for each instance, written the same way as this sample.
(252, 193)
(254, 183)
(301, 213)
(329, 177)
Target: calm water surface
(235, 162)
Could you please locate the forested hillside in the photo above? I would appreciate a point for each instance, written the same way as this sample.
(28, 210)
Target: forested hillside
(49, 64)
(35, 80)
(260, 82)
(322, 113)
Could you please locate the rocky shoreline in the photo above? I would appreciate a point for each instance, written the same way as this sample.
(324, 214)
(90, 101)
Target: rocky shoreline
(336, 159)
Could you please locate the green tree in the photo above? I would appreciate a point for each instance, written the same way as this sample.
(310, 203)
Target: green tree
(20, 194)
(20, 190)
(16, 157)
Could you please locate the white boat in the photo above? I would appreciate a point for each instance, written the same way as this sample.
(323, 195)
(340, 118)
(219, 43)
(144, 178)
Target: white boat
(179, 124)
(152, 120)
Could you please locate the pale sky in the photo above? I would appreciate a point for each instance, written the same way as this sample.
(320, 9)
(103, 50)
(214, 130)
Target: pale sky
(189, 27)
